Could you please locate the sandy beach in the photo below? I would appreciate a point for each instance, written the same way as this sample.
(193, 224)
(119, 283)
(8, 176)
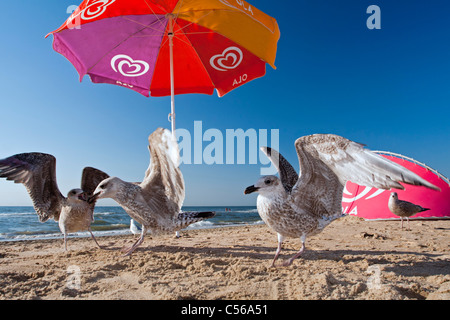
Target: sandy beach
(351, 259)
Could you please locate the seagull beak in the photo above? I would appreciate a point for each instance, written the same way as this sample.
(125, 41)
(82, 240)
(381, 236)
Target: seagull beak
(94, 197)
(250, 189)
(83, 196)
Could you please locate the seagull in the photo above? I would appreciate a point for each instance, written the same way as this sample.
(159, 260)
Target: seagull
(403, 208)
(37, 172)
(156, 202)
(302, 205)
(134, 228)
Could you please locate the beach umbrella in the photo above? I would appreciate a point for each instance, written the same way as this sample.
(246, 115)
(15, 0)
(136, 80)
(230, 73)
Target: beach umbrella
(162, 48)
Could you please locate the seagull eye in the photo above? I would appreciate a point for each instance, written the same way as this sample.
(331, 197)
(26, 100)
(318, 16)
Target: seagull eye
(103, 186)
(267, 181)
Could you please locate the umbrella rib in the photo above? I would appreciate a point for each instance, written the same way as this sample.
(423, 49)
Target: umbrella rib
(153, 12)
(131, 35)
(193, 48)
(179, 4)
(148, 5)
(149, 26)
(271, 29)
(195, 22)
(188, 43)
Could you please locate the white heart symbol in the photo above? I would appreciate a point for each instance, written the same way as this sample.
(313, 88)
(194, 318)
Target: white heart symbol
(140, 67)
(92, 10)
(233, 53)
(99, 6)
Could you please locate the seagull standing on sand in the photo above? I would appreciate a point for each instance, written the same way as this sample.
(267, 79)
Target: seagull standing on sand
(302, 205)
(37, 171)
(403, 208)
(156, 202)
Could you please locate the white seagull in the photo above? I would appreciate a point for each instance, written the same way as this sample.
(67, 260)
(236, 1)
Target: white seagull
(302, 205)
(156, 202)
(134, 228)
(37, 172)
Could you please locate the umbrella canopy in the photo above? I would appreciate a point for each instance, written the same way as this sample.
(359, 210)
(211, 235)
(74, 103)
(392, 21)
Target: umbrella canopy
(170, 47)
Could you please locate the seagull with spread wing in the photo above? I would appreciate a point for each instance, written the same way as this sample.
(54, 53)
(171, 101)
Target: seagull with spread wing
(155, 202)
(37, 172)
(302, 205)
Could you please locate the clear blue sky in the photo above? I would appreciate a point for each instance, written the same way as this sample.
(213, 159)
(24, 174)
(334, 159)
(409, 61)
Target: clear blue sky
(387, 88)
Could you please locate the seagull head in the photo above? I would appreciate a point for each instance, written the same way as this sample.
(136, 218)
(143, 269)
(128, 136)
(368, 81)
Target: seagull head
(106, 189)
(394, 195)
(266, 185)
(77, 195)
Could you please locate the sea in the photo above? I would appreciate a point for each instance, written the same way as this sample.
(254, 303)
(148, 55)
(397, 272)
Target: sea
(22, 223)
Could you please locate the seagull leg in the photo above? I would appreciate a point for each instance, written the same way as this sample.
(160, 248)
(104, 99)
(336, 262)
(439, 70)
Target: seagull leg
(126, 249)
(65, 241)
(407, 222)
(277, 253)
(298, 254)
(401, 218)
(92, 235)
(130, 250)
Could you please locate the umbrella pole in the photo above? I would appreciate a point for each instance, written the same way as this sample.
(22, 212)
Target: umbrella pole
(172, 85)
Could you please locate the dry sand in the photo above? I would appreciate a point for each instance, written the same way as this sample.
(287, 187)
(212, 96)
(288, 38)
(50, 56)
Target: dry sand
(351, 259)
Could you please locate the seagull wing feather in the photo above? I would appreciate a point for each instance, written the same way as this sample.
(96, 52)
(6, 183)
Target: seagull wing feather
(163, 185)
(37, 172)
(328, 161)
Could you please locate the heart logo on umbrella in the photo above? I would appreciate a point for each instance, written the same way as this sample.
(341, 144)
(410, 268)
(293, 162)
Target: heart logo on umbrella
(95, 9)
(229, 59)
(128, 67)
(92, 10)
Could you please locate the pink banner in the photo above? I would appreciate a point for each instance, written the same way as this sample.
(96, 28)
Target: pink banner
(372, 203)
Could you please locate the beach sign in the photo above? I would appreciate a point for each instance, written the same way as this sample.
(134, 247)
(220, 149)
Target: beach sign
(372, 203)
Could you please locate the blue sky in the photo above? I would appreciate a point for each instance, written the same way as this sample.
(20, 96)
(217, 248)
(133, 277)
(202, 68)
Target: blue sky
(387, 88)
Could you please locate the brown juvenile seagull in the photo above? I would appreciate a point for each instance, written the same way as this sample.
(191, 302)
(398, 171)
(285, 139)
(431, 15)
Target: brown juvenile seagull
(155, 202)
(37, 172)
(302, 205)
(403, 208)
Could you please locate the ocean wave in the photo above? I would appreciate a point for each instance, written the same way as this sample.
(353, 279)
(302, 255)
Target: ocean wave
(108, 227)
(34, 236)
(50, 236)
(15, 214)
(245, 211)
(113, 232)
(22, 223)
(200, 225)
(106, 213)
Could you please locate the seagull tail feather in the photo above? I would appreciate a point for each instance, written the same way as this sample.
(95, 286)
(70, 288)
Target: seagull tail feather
(189, 217)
